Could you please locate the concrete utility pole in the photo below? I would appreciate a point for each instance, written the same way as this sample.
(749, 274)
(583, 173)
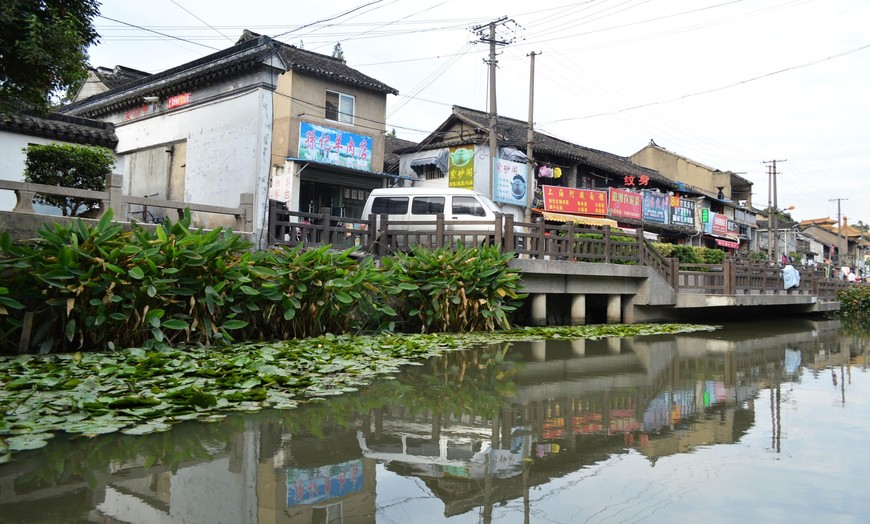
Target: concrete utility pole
(530, 183)
(839, 232)
(772, 212)
(489, 37)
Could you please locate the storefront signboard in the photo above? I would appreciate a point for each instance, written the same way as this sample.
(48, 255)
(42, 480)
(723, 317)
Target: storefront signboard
(335, 147)
(626, 204)
(570, 200)
(655, 207)
(460, 167)
(511, 182)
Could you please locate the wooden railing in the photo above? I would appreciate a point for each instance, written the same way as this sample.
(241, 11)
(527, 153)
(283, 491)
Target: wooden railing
(241, 217)
(378, 235)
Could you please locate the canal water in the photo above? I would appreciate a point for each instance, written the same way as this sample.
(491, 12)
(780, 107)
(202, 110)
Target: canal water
(754, 422)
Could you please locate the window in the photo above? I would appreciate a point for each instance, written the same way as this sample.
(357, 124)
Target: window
(427, 206)
(339, 107)
(390, 205)
(466, 205)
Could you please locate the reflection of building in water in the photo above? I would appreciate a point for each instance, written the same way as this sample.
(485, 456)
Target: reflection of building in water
(547, 411)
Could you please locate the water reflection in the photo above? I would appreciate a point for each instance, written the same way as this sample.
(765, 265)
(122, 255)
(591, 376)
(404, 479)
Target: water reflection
(474, 431)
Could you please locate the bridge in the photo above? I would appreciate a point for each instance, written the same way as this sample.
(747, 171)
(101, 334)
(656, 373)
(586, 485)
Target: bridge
(574, 274)
(578, 274)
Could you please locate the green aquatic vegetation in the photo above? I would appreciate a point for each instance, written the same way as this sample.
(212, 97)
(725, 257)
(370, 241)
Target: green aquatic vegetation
(462, 289)
(140, 391)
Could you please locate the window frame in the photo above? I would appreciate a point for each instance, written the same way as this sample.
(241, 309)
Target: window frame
(339, 113)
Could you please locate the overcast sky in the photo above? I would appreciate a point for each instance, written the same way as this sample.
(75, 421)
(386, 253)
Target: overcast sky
(727, 83)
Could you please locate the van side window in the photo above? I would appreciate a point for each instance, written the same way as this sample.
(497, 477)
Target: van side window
(429, 205)
(390, 205)
(467, 205)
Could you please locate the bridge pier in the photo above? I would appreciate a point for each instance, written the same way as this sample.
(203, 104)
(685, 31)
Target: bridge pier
(614, 309)
(578, 309)
(539, 309)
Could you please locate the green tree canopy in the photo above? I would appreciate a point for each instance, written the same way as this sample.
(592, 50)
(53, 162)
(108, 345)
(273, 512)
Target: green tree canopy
(43, 50)
(66, 165)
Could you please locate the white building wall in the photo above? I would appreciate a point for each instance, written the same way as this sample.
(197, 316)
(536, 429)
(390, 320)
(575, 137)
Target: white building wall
(228, 148)
(12, 160)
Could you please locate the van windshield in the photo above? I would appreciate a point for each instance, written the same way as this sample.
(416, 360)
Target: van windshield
(489, 203)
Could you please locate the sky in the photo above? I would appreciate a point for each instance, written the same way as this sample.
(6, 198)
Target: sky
(731, 84)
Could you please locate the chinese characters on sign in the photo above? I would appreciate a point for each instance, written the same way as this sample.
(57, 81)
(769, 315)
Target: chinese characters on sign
(570, 200)
(682, 211)
(625, 204)
(139, 112)
(631, 180)
(510, 182)
(178, 101)
(460, 167)
(335, 147)
(655, 207)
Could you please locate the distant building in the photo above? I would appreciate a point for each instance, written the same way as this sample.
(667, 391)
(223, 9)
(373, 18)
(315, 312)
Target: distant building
(727, 197)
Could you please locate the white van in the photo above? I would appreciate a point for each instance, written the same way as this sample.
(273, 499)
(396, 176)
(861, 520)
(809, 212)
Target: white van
(415, 209)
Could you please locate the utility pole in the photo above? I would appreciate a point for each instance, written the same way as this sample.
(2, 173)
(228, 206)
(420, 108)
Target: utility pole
(839, 232)
(490, 38)
(772, 213)
(530, 183)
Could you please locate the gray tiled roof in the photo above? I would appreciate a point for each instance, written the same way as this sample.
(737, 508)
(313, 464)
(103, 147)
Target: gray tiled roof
(62, 128)
(391, 158)
(249, 52)
(118, 76)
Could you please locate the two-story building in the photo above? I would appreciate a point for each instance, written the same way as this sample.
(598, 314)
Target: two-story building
(726, 207)
(261, 117)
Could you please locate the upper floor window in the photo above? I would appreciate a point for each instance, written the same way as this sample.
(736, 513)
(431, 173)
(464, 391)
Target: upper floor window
(339, 107)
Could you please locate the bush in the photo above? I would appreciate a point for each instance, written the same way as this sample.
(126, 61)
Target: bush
(72, 166)
(691, 254)
(469, 289)
(106, 287)
(855, 303)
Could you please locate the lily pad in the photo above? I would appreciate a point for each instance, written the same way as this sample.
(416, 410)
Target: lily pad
(28, 441)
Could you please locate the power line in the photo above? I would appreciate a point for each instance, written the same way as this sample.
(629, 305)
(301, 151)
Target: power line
(158, 33)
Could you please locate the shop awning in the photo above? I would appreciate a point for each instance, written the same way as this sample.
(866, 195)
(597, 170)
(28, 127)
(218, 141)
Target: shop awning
(727, 243)
(436, 158)
(579, 219)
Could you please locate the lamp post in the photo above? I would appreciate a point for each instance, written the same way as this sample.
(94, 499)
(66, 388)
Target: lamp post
(773, 223)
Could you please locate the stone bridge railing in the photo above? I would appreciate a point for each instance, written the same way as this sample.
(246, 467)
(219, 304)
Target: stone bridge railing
(128, 207)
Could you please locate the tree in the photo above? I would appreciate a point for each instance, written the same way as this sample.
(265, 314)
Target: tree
(66, 165)
(43, 50)
(337, 52)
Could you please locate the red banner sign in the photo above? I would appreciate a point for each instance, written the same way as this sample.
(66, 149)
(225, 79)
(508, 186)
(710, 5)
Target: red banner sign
(626, 204)
(178, 101)
(572, 200)
(727, 243)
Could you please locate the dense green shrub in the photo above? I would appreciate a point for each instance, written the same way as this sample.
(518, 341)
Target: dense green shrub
(469, 289)
(691, 254)
(711, 256)
(68, 165)
(620, 254)
(855, 304)
(104, 287)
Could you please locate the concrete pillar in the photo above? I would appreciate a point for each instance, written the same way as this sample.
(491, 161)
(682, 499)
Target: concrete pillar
(539, 309)
(628, 311)
(578, 309)
(578, 347)
(614, 309)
